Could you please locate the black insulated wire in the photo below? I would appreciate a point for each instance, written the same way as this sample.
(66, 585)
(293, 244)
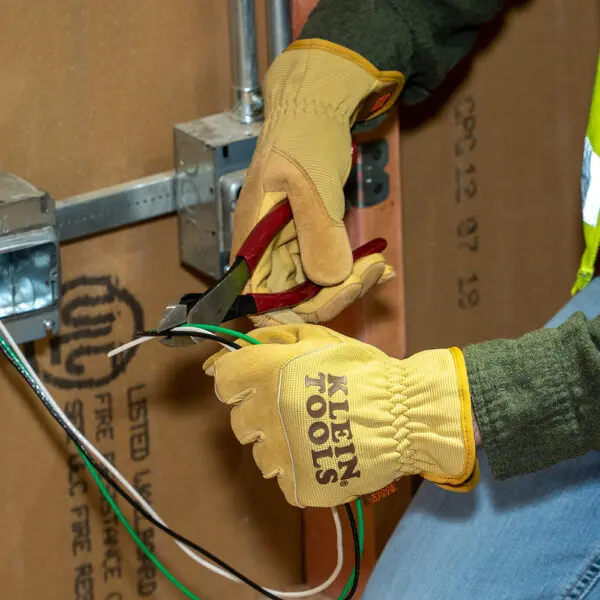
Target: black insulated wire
(199, 334)
(356, 578)
(108, 477)
(138, 507)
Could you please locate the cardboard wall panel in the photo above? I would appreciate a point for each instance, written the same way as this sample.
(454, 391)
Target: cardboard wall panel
(491, 166)
(89, 92)
(154, 413)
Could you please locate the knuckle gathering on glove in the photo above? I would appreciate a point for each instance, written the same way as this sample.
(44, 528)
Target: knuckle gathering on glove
(333, 418)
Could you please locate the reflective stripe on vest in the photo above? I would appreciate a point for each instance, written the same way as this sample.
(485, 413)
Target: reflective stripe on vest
(590, 191)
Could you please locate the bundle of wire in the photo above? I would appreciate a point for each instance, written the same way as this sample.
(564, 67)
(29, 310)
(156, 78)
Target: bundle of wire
(100, 467)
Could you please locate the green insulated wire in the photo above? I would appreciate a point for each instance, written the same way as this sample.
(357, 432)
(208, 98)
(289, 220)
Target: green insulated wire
(359, 507)
(218, 329)
(361, 543)
(128, 526)
(132, 531)
(109, 498)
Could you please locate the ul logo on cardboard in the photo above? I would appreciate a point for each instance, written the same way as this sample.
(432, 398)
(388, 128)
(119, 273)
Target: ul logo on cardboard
(97, 315)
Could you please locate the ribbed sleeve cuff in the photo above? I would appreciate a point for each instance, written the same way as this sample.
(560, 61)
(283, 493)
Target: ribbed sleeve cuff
(522, 395)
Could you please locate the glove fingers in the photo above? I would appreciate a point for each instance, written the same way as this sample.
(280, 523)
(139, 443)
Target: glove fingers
(272, 457)
(246, 428)
(225, 367)
(367, 272)
(330, 302)
(209, 364)
(373, 271)
(257, 421)
(286, 272)
(389, 273)
(370, 275)
(265, 459)
(237, 374)
(298, 333)
(284, 334)
(265, 266)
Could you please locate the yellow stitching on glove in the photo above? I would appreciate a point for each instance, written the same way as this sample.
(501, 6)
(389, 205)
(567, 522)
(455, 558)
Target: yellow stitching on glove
(395, 78)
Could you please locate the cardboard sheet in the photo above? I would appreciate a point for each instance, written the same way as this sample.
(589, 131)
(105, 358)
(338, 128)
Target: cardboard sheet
(88, 96)
(490, 176)
(154, 414)
(89, 93)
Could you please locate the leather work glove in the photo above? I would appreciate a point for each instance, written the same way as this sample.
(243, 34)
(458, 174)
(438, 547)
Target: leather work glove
(333, 418)
(314, 92)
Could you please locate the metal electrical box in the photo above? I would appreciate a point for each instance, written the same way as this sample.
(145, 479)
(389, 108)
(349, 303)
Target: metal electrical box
(29, 259)
(211, 158)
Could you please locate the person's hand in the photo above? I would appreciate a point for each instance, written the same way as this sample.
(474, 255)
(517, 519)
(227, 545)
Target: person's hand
(333, 418)
(314, 92)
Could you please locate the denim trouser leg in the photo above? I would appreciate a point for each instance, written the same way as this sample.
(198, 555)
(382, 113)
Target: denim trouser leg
(531, 537)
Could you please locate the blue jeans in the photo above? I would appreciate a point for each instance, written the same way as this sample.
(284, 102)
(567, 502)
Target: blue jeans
(534, 537)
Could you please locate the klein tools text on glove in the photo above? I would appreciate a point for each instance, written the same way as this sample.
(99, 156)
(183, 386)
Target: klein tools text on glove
(333, 418)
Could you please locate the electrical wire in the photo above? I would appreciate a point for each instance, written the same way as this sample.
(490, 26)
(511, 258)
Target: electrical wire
(355, 575)
(191, 330)
(88, 459)
(102, 464)
(65, 425)
(358, 540)
(131, 344)
(224, 330)
(358, 537)
(147, 336)
(357, 533)
(193, 333)
(132, 531)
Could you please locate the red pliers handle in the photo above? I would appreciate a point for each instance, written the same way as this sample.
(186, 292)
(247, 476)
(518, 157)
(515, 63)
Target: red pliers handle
(251, 252)
(225, 300)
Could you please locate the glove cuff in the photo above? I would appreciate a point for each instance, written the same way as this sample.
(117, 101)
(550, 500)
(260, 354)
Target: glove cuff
(433, 419)
(323, 75)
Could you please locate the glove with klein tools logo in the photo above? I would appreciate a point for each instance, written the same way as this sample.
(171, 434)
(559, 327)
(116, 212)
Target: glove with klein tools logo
(314, 92)
(333, 418)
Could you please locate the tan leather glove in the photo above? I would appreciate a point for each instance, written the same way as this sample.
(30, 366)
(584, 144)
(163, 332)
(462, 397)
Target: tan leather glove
(314, 92)
(333, 418)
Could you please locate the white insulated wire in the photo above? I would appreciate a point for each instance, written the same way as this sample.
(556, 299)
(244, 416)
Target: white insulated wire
(99, 457)
(128, 345)
(146, 338)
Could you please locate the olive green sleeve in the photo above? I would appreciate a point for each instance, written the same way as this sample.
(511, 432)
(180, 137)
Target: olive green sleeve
(424, 39)
(537, 398)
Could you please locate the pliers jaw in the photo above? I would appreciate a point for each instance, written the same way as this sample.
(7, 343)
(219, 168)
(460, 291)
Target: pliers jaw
(176, 315)
(226, 300)
(218, 304)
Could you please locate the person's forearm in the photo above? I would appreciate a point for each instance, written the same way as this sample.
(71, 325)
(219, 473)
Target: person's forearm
(537, 399)
(423, 40)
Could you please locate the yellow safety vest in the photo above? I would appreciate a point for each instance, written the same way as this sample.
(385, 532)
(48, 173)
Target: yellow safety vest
(590, 191)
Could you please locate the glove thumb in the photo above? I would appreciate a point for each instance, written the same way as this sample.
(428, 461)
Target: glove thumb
(325, 250)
